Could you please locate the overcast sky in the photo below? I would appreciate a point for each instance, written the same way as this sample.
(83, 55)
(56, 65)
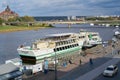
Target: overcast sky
(63, 7)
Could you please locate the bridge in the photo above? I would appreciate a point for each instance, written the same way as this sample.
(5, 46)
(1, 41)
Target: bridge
(61, 22)
(67, 22)
(77, 22)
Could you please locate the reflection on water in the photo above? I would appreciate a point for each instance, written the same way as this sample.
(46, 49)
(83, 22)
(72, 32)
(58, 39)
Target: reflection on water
(10, 41)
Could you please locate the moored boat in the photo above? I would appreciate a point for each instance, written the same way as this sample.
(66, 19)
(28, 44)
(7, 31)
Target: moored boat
(91, 38)
(62, 45)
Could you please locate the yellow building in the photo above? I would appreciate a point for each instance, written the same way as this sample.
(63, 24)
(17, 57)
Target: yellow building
(7, 13)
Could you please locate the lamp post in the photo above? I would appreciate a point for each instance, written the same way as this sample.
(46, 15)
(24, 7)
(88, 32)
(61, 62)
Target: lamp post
(113, 45)
(55, 63)
(112, 48)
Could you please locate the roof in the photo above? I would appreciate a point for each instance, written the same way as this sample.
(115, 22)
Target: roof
(8, 13)
(10, 75)
(15, 60)
(7, 68)
(111, 66)
(60, 34)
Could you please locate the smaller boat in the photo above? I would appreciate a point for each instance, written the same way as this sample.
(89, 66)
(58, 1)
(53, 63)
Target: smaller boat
(117, 33)
(91, 38)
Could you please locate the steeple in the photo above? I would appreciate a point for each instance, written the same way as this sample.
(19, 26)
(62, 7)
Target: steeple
(7, 9)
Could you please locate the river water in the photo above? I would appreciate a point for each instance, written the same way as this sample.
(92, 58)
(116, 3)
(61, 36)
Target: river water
(10, 41)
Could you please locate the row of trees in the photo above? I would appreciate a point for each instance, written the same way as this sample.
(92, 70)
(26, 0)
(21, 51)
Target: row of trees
(23, 21)
(102, 18)
(18, 19)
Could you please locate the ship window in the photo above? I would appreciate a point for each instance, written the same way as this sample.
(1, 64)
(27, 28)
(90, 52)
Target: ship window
(69, 41)
(72, 45)
(65, 47)
(60, 48)
(94, 38)
(68, 46)
(73, 40)
(90, 39)
(57, 44)
(77, 45)
(57, 49)
(81, 36)
(63, 42)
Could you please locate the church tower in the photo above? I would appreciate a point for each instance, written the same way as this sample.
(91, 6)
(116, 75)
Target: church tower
(7, 8)
(8, 13)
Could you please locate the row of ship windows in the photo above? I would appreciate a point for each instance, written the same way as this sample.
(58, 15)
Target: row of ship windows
(81, 37)
(93, 39)
(65, 42)
(65, 47)
(92, 35)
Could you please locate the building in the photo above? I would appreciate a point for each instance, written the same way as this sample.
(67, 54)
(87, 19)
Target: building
(71, 18)
(7, 13)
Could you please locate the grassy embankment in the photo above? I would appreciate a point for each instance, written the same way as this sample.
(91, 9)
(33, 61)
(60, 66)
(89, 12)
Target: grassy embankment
(20, 28)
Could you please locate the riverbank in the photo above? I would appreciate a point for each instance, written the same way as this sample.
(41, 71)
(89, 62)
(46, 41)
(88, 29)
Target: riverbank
(5, 29)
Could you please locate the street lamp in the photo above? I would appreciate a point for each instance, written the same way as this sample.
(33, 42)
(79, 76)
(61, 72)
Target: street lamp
(113, 45)
(55, 63)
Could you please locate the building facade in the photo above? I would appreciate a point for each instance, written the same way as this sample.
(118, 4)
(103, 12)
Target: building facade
(7, 14)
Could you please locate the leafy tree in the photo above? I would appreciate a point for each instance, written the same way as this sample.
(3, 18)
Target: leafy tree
(1, 21)
(12, 19)
(27, 19)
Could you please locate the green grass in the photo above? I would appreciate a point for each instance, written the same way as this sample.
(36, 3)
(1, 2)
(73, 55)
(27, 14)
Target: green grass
(17, 28)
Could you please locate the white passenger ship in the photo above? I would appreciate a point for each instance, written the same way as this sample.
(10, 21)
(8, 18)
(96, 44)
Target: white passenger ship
(61, 44)
(64, 44)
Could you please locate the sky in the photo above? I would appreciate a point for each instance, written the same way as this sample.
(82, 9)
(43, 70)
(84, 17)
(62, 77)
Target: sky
(62, 7)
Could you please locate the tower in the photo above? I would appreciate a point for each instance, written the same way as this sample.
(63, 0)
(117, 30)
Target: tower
(7, 8)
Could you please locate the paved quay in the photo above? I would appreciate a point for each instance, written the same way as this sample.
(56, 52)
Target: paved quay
(97, 71)
(101, 57)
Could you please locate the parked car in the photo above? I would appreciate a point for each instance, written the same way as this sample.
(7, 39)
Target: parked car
(110, 70)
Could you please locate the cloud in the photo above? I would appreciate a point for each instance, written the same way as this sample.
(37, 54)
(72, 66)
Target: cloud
(62, 7)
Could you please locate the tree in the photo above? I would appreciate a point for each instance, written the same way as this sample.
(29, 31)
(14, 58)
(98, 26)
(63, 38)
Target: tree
(1, 21)
(27, 19)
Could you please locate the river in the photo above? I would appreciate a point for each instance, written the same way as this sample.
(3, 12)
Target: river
(10, 41)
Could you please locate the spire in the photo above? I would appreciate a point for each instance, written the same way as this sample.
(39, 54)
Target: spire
(7, 9)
